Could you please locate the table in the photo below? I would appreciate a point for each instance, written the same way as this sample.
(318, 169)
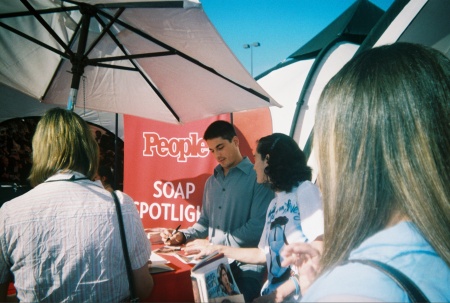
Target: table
(172, 286)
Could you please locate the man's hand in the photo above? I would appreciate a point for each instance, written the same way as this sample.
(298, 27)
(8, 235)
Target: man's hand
(169, 238)
(200, 248)
(198, 242)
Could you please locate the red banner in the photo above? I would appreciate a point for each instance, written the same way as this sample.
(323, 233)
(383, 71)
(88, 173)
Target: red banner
(166, 165)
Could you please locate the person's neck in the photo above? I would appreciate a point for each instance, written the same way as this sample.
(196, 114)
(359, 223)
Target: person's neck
(227, 169)
(396, 218)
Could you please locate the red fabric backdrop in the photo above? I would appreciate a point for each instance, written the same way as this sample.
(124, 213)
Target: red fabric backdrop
(166, 165)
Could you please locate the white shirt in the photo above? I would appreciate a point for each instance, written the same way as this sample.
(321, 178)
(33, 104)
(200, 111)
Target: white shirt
(292, 217)
(61, 242)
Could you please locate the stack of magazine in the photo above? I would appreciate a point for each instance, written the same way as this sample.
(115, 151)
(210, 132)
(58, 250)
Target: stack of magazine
(178, 253)
(213, 281)
(158, 264)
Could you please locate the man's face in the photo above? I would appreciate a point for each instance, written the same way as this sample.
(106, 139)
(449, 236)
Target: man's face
(225, 152)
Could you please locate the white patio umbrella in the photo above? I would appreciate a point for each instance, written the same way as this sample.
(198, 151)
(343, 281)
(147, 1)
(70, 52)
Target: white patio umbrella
(161, 60)
(15, 104)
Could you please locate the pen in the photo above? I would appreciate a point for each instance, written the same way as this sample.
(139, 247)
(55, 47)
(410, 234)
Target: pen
(174, 232)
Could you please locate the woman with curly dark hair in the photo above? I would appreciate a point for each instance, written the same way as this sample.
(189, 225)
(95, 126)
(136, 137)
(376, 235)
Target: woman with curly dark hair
(294, 215)
(286, 163)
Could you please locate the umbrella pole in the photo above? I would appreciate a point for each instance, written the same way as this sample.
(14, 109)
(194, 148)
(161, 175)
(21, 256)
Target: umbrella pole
(79, 61)
(116, 153)
(72, 98)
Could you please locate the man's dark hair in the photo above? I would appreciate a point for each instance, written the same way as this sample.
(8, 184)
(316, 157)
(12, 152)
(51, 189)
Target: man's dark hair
(218, 129)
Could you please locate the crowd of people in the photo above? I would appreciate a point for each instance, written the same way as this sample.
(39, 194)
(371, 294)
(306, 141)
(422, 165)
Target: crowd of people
(15, 153)
(15, 149)
(381, 139)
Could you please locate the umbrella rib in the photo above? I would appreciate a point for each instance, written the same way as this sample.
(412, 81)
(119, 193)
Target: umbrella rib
(47, 27)
(183, 55)
(115, 67)
(40, 12)
(57, 51)
(106, 28)
(71, 42)
(136, 4)
(130, 57)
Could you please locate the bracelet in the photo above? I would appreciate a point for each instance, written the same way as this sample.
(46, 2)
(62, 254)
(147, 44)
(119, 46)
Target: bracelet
(296, 283)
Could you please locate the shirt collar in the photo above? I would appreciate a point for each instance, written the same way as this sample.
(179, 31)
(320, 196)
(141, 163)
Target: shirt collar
(245, 166)
(71, 176)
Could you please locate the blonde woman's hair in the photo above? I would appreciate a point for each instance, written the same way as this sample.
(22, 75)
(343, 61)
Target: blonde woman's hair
(382, 137)
(63, 141)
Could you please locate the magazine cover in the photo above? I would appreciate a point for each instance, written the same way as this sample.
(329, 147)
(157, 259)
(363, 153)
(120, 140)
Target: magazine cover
(212, 281)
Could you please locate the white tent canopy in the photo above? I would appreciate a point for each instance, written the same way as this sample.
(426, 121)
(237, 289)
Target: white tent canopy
(285, 85)
(425, 22)
(298, 83)
(419, 21)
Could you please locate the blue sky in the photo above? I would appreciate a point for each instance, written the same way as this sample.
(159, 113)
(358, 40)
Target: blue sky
(280, 26)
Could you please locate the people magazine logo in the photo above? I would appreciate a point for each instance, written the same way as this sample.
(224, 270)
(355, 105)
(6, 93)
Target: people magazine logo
(180, 148)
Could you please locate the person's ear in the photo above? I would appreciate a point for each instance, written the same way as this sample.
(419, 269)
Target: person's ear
(235, 140)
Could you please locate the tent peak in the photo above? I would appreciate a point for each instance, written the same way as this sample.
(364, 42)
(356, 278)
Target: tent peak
(353, 25)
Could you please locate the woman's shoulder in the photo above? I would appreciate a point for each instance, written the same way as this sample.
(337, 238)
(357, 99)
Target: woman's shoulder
(306, 186)
(354, 280)
(124, 199)
(308, 194)
(401, 247)
(363, 281)
(395, 243)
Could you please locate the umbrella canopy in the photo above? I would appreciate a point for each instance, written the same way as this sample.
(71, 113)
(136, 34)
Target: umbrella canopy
(160, 60)
(15, 104)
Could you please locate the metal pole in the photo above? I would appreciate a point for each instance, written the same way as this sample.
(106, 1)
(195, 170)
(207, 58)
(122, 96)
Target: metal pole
(251, 60)
(251, 46)
(78, 63)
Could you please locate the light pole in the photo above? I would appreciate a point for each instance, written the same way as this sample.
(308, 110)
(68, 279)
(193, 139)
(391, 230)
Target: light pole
(251, 46)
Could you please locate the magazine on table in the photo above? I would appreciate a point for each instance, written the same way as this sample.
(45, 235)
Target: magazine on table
(213, 281)
(187, 259)
(158, 264)
(154, 235)
(167, 249)
(177, 252)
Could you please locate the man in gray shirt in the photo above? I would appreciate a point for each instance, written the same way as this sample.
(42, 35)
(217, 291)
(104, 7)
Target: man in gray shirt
(234, 207)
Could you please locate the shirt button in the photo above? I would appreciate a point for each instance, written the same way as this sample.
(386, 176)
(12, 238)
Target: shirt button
(220, 207)
(223, 189)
